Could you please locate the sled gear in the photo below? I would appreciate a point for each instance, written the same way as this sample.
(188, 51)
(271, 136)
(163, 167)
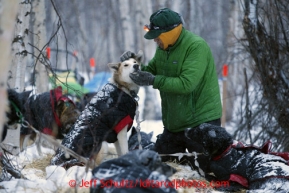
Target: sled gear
(162, 21)
(103, 117)
(142, 78)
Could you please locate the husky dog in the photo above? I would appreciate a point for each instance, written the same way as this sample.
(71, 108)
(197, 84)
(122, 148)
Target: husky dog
(146, 142)
(50, 112)
(106, 118)
(247, 167)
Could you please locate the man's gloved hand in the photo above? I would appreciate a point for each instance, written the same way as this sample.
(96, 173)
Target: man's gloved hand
(142, 78)
(127, 55)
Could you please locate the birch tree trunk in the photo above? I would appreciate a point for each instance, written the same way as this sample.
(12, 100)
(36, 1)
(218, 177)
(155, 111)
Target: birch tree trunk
(39, 42)
(8, 12)
(126, 24)
(112, 30)
(235, 58)
(152, 109)
(19, 48)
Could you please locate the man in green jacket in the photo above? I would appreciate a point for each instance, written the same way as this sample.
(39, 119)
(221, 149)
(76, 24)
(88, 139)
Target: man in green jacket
(184, 72)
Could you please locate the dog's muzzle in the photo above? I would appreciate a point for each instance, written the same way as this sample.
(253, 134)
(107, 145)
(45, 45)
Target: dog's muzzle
(136, 67)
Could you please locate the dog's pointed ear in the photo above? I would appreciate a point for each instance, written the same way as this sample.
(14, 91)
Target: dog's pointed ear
(151, 134)
(139, 56)
(113, 66)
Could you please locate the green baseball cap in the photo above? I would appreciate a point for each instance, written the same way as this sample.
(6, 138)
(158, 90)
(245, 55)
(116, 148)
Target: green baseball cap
(161, 21)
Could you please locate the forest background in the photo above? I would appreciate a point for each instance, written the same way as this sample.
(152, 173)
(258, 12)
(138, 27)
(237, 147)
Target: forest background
(250, 36)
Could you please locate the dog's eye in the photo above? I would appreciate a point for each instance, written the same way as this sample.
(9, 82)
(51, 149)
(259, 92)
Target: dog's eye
(126, 65)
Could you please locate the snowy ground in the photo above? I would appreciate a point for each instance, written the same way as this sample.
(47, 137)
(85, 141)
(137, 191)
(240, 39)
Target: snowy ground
(43, 178)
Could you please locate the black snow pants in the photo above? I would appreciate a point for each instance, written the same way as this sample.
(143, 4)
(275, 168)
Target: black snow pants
(170, 143)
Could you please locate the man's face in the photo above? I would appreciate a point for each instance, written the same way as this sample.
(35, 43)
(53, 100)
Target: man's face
(159, 42)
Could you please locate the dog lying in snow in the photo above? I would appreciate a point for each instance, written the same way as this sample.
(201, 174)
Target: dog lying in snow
(50, 112)
(246, 167)
(146, 142)
(106, 118)
(132, 173)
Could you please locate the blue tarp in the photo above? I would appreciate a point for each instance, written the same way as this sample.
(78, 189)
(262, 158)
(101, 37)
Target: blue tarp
(98, 81)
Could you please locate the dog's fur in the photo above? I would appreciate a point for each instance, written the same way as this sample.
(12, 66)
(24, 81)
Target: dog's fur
(136, 167)
(93, 128)
(146, 142)
(16, 103)
(258, 168)
(84, 100)
(37, 110)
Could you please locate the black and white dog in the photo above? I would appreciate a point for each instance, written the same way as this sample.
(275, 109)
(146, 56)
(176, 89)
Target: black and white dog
(247, 167)
(106, 118)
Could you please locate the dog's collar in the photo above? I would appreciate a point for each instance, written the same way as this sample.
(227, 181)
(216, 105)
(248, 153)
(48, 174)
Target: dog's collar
(18, 112)
(234, 144)
(132, 93)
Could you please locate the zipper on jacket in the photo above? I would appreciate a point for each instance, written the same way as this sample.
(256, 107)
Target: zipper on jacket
(168, 53)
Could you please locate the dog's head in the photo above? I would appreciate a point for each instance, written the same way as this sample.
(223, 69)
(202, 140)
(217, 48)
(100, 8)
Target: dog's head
(145, 140)
(68, 114)
(213, 138)
(122, 70)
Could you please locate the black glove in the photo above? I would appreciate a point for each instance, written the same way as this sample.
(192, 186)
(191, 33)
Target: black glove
(142, 78)
(127, 55)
